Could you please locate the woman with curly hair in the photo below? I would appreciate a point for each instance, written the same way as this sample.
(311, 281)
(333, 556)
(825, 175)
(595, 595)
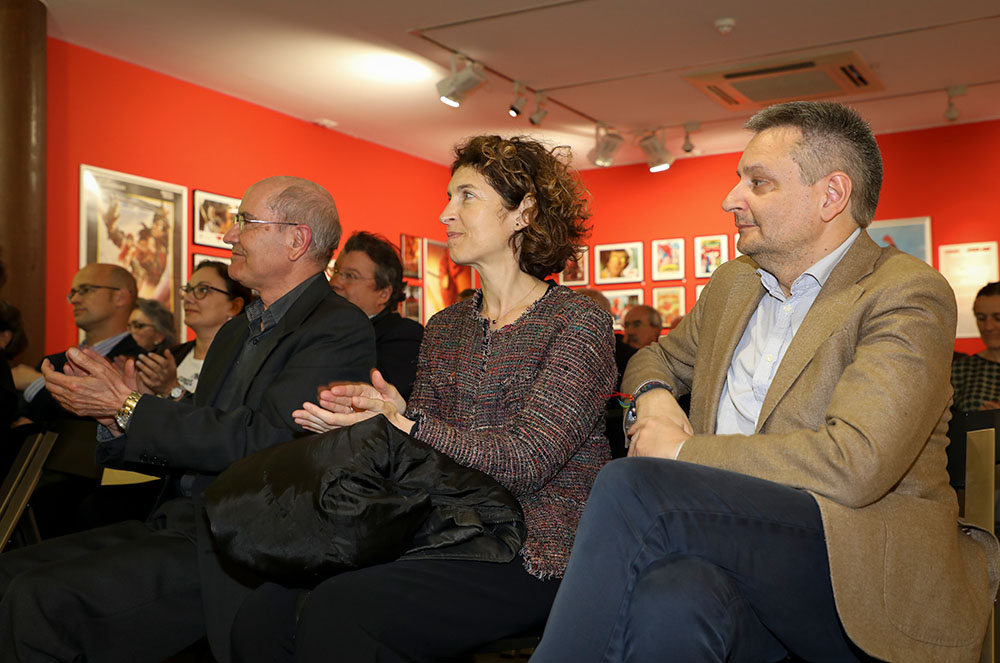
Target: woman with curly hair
(512, 382)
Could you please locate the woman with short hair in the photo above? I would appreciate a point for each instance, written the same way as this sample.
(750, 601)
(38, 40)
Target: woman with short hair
(511, 382)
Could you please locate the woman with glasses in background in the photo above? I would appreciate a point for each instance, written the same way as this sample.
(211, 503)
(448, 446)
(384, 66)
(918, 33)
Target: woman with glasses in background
(211, 298)
(151, 325)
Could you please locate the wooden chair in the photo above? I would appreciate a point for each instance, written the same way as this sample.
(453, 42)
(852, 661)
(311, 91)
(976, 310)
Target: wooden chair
(972, 457)
(20, 483)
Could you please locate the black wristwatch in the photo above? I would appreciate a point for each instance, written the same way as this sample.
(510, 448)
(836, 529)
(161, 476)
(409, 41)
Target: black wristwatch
(648, 385)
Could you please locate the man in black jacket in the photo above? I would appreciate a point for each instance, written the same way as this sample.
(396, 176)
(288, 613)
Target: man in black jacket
(143, 591)
(102, 297)
(369, 273)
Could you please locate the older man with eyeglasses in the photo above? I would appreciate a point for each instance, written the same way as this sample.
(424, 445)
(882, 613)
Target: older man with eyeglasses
(102, 297)
(145, 591)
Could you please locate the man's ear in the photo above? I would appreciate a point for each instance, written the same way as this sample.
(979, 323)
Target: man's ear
(124, 299)
(836, 196)
(384, 294)
(300, 241)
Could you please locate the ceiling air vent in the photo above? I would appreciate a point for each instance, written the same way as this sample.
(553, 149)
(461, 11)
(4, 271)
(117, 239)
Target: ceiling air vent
(758, 85)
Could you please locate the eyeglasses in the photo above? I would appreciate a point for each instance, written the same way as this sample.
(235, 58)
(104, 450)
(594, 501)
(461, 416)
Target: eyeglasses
(85, 289)
(241, 221)
(199, 291)
(135, 325)
(351, 276)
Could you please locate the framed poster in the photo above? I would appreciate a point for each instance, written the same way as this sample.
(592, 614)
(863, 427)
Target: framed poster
(198, 258)
(620, 301)
(411, 251)
(618, 263)
(443, 280)
(577, 271)
(213, 217)
(911, 236)
(668, 259)
(697, 291)
(968, 267)
(710, 251)
(412, 306)
(139, 224)
(669, 302)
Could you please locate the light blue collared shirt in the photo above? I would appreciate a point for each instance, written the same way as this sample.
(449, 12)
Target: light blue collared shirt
(766, 339)
(101, 347)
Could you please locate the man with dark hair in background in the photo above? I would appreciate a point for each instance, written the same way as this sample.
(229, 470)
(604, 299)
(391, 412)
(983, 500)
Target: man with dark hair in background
(369, 274)
(146, 590)
(812, 513)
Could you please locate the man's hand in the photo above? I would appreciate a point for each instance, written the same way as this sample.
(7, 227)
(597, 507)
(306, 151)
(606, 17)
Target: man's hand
(24, 375)
(90, 386)
(661, 426)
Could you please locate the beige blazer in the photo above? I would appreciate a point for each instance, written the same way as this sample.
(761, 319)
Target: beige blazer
(857, 415)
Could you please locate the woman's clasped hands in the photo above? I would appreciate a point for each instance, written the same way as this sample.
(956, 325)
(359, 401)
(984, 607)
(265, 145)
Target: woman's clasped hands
(346, 403)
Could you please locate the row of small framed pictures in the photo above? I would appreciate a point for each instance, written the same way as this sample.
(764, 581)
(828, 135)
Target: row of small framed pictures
(670, 301)
(623, 262)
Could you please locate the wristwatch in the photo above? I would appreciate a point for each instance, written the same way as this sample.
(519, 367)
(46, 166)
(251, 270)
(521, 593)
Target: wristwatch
(176, 392)
(643, 388)
(124, 413)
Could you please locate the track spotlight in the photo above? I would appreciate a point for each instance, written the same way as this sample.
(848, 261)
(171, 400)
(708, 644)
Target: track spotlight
(520, 101)
(540, 113)
(657, 155)
(453, 87)
(606, 145)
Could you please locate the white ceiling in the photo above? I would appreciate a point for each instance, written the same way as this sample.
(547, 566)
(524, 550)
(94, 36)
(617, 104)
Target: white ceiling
(620, 62)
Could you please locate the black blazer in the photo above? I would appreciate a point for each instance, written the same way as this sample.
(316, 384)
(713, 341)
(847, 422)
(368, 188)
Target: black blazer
(43, 407)
(397, 344)
(321, 338)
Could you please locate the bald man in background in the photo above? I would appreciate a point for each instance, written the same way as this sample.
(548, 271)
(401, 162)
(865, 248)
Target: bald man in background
(102, 297)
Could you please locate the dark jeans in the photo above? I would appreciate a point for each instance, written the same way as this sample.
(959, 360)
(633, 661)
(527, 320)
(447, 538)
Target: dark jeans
(680, 562)
(408, 610)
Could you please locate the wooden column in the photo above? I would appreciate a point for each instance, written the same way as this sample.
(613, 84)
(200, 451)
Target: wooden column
(22, 164)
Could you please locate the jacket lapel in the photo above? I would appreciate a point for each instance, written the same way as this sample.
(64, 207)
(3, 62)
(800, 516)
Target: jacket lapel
(292, 320)
(220, 357)
(833, 305)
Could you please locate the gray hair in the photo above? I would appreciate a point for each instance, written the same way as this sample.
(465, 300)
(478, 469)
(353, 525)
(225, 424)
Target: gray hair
(655, 319)
(306, 202)
(834, 137)
(161, 319)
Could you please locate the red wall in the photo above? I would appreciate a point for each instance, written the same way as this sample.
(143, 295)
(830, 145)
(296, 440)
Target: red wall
(950, 174)
(107, 113)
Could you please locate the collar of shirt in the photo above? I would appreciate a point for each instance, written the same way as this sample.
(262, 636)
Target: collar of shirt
(261, 318)
(104, 347)
(815, 276)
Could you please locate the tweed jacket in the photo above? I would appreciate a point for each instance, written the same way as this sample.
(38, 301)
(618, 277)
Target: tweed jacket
(525, 405)
(857, 415)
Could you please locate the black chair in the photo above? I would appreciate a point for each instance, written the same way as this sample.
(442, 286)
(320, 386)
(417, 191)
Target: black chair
(17, 487)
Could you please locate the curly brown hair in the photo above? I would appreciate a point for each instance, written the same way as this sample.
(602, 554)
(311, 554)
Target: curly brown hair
(520, 167)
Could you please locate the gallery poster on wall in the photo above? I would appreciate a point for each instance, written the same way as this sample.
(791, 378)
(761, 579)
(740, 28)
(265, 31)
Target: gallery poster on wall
(139, 224)
(968, 267)
(443, 280)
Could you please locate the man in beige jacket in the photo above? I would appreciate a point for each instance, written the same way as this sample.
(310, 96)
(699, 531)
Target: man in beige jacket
(811, 515)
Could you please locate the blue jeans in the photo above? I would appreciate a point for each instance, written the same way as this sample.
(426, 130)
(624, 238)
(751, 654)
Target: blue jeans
(681, 562)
